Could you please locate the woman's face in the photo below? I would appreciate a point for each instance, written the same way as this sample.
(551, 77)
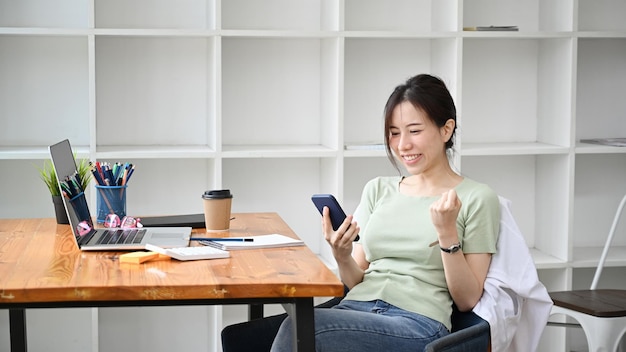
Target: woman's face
(415, 140)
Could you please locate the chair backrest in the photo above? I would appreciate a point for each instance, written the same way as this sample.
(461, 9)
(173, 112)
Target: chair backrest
(607, 244)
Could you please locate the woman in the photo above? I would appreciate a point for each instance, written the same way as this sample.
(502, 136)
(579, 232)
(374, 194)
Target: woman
(426, 240)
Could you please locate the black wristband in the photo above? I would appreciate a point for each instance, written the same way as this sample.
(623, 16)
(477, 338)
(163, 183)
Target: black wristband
(452, 249)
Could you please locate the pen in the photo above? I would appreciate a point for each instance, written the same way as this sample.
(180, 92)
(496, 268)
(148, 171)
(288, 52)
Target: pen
(99, 168)
(130, 172)
(222, 239)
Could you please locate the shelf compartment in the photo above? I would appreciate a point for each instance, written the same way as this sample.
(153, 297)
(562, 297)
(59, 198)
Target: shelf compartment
(155, 14)
(280, 14)
(155, 91)
(401, 15)
(164, 322)
(601, 15)
(538, 188)
(293, 100)
(520, 87)
(599, 187)
(600, 104)
(44, 13)
(535, 15)
(374, 67)
(43, 90)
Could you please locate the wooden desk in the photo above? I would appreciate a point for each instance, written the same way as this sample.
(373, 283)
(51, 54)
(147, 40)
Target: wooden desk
(41, 267)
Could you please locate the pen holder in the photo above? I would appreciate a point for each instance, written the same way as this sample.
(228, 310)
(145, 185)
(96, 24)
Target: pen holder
(111, 200)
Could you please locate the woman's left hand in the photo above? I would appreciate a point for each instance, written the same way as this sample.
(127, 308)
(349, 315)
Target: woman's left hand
(443, 214)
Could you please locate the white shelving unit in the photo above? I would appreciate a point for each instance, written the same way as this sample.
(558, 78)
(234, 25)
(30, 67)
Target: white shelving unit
(261, 96)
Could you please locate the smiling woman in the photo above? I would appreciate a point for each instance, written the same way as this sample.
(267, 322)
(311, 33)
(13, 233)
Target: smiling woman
(401, 286)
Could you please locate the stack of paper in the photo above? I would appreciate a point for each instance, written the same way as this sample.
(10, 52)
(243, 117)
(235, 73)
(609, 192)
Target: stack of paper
(492, 28)
(615, 142)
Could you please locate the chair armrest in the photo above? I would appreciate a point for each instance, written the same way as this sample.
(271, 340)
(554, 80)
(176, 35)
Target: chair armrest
(471, 339)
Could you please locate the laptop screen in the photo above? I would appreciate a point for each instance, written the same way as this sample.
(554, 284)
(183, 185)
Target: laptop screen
(72, 193)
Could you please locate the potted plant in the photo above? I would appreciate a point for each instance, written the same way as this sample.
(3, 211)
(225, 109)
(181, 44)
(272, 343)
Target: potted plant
(49, 177)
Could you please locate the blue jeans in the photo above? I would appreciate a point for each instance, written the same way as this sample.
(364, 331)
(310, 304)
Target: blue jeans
(353, 326)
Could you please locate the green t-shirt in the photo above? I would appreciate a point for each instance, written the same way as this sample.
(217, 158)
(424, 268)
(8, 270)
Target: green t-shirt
(396, 231)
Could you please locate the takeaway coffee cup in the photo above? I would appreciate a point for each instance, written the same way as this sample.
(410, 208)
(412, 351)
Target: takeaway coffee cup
(217, 204)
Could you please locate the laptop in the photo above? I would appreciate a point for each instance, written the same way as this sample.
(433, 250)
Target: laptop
(89, 238)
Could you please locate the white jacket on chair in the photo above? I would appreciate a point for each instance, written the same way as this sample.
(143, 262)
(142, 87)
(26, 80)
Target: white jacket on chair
(514, 302)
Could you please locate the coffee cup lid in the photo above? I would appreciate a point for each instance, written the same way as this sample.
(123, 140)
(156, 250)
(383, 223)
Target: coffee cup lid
(217, 194)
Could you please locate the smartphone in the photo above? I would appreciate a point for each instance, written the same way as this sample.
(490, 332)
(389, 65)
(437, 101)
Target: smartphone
(337, 215)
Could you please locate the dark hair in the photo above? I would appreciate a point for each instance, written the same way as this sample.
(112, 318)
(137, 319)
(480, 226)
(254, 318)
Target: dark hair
(427, 93)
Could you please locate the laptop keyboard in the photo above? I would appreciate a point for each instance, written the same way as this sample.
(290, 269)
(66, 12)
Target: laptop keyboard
(122, 236)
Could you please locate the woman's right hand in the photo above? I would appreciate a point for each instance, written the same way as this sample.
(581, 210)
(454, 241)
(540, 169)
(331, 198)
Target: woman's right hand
(341, 240)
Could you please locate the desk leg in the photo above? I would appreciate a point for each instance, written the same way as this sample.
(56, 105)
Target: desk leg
(17, 329)
(255, 311)
(301, 312)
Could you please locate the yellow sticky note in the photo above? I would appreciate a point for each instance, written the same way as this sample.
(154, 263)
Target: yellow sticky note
(137, 257)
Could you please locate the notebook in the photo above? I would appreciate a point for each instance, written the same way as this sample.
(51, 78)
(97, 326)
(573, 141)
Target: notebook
(89, 238)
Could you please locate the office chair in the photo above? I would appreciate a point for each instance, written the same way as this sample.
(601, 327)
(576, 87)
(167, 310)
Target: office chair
(600, 313)
(470, 333)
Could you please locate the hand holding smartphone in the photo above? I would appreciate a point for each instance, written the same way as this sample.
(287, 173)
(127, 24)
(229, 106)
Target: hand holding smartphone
(337, 215)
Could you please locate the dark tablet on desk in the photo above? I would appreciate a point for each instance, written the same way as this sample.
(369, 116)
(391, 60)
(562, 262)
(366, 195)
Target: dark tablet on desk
(194, 220)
